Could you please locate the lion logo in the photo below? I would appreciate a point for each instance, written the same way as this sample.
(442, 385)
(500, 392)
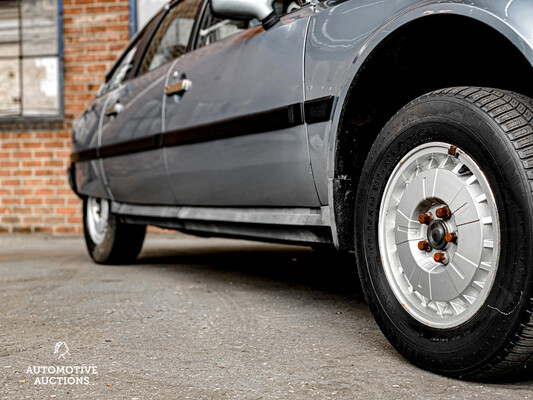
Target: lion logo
(61, 349)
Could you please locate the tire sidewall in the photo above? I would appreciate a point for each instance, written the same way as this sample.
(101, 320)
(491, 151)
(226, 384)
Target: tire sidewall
(460, 350)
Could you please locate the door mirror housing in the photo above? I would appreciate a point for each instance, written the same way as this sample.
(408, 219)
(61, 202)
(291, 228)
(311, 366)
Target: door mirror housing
(246, 9)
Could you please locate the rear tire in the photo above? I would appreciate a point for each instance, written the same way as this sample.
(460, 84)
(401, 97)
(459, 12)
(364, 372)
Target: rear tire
(471, 314)
(110, 241)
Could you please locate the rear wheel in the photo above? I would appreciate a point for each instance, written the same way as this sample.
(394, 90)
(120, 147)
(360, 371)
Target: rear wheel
(444, 218)
(109, 240)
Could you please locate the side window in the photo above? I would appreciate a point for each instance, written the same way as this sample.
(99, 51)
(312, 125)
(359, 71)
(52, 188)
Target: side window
(283, 7)
(213, 29)
(171, 39)
(122, 69)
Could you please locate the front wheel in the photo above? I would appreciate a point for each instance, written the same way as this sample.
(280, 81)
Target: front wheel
(109, 240)
(444, 219)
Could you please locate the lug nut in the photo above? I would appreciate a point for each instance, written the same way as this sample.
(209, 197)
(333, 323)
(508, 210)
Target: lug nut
(439, 257)
(424, 245)
(451, 237)
(444, 213)
(425, 218)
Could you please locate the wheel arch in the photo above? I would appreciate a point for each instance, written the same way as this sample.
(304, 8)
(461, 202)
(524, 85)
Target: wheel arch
(425, 55)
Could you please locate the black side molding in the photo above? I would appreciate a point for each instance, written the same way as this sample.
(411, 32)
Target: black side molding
(310, 112)
(318, 110)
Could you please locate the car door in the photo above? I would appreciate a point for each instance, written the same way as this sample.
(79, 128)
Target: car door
(132, 161)
(233, 116)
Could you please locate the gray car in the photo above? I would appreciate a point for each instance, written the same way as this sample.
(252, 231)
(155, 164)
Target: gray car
(400, 130)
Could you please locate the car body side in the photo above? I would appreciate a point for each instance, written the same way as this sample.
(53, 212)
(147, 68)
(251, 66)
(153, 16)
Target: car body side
(343, 41)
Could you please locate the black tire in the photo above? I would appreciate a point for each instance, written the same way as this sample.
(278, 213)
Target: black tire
(495, 128)
(121, 244)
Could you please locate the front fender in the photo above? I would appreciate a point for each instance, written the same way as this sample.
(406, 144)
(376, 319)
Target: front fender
(343, 36)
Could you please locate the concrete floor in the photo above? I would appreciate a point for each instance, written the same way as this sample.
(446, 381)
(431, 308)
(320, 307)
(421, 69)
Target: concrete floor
(199, 319)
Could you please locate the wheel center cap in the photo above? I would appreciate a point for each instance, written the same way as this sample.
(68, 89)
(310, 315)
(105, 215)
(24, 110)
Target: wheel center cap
(437, 235)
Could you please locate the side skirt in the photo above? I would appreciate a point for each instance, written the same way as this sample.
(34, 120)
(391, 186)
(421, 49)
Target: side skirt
(286, 225)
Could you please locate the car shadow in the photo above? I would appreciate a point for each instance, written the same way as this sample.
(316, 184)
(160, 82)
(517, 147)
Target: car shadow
(324, 272)
(322, 275)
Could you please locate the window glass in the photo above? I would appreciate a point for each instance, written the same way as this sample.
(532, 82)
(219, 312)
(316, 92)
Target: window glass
(29, 58)
(213, 29)
(122, 69)
(9, 88)
(39, 27)
(10, 23)
(283, 7)
(172, 38)
(40, 78)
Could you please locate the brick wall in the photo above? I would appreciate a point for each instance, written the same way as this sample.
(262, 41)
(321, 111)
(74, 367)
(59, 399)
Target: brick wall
(34, 191)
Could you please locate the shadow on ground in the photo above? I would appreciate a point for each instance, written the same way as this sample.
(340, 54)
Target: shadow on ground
(328, 272)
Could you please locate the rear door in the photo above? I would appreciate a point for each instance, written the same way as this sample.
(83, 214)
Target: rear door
(132, 157)
(233, 116)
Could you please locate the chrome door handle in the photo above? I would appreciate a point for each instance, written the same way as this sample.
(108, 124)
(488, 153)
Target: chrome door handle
(178, 87)
(115, 109)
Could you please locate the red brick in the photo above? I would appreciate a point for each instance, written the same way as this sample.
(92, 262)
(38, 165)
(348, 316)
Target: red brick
(10, 201)
(9, 164)
(44, 154)
(64, 191)
(43, 229)
(44, 172)
(22, 191)
(57, 201)
(21, 229)
(44, 192)
(32, 145)
(32, 163)
(33, 201)
(74, 200)
(11, 145)
(22, 172)
(32, 220)
(67, 210)
(64, 229)
(33, 182)
(21, 154)
(11, 182)
(22, 210)
(54, 182)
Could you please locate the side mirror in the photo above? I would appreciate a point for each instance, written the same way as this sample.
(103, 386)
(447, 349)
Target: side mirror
(246, 9)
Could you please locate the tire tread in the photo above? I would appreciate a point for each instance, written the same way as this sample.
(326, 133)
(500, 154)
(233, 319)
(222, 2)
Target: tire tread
(513, 112)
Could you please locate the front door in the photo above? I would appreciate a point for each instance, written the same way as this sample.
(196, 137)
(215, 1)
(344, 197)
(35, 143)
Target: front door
(233, 116)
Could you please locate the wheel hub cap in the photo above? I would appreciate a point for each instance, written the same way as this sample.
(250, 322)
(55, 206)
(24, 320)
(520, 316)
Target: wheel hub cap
(97, 219)
(440, 269)
(437, 235)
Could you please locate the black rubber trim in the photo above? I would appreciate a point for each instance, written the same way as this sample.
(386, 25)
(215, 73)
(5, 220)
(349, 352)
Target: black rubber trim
(271, 20)
(313, 111)
(318, 110)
